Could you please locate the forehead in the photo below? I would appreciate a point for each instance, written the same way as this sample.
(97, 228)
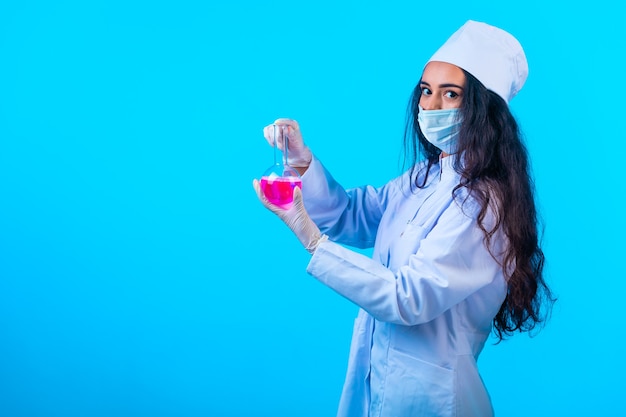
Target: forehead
(438, 73)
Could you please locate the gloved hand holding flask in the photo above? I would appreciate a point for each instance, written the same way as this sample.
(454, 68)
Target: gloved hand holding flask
(299, 155)
(279, 180)
(296, 217)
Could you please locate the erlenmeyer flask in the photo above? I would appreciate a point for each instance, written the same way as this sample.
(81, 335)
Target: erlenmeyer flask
(279, 180)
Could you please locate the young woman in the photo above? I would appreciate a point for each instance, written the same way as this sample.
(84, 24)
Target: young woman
(456, 245)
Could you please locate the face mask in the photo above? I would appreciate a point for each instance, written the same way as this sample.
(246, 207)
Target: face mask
(440, 127)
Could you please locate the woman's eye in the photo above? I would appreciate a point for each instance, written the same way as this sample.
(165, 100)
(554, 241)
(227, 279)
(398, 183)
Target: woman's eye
(451, 94)
(426, 91)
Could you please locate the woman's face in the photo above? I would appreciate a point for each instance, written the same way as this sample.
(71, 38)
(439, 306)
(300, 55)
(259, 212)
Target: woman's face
(442, 86)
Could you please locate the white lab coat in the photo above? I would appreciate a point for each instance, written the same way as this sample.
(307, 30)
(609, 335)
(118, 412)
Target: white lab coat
(427, 296)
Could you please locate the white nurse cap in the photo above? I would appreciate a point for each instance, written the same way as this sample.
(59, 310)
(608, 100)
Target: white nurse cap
(490, 54)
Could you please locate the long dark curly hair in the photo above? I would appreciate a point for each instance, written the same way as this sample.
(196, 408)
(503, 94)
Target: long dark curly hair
(495, 170)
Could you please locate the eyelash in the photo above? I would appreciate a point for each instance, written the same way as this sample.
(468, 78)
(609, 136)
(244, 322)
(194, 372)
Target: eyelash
(452, 94)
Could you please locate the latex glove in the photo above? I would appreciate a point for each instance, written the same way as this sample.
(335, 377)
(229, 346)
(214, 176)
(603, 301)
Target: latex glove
(296, 217)
(298, 154)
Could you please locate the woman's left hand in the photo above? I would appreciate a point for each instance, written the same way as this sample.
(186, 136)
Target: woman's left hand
(296, 217)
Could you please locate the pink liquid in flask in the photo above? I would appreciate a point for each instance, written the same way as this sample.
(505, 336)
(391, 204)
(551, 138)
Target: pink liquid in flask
(279, 190)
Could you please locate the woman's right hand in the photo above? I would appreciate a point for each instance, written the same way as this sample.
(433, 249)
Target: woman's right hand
(299, 155)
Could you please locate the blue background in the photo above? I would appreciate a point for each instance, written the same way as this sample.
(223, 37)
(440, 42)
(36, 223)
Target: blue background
(139, 275)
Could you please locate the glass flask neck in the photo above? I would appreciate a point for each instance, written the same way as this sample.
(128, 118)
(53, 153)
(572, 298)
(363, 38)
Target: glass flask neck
(285, 143)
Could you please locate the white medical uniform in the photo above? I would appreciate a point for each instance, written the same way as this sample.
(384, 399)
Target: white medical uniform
(427, 296)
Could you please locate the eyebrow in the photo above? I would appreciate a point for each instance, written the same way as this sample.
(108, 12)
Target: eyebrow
(442, 85)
